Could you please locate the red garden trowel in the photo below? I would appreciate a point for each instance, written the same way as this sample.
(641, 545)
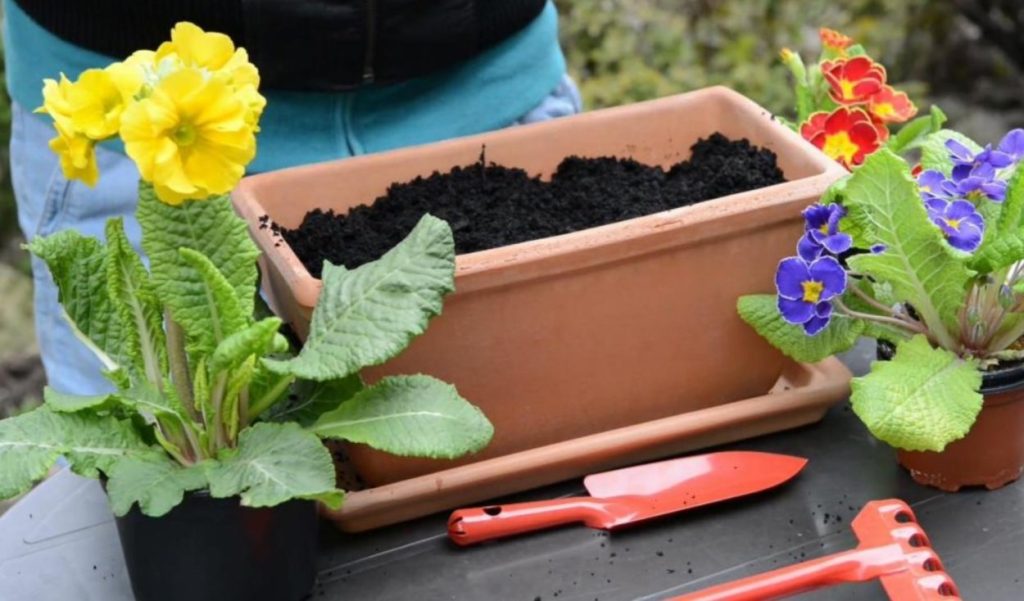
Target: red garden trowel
(633, 494)
(893, 549)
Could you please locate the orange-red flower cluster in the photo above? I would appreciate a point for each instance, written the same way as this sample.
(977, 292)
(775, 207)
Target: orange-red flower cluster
(833, 40)
(853, 80)
(867, 104)
(847, 134)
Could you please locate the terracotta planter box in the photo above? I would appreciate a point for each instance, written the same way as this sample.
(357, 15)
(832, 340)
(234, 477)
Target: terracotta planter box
(586, 332)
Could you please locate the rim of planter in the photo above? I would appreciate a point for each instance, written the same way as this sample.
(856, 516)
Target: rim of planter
(550, 256)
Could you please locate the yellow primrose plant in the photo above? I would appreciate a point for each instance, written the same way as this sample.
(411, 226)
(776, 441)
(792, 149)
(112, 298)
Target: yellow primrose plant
(207, 395)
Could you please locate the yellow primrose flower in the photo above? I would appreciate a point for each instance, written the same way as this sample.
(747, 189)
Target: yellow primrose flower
(198, 48)
(96, 104)
(77, 154)
(131, 74)
(216, 53)
(55, 100)
(190, 137)
(91, 106)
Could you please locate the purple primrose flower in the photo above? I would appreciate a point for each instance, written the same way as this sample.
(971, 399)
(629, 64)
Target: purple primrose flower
(965, 160)
(821, 223)
(981, 182)
(976, 175)
(977, 183)
(806, 289)
(933, 184)
(960, 223)
(1012, 144)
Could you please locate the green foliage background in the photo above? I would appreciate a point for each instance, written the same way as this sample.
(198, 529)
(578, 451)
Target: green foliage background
(628, 50)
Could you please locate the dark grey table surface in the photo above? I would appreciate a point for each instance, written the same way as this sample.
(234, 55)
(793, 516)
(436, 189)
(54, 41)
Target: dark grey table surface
(59, 542)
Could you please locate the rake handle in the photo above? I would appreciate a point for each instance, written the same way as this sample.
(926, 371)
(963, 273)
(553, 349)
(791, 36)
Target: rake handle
(859, 565)
(471, 526)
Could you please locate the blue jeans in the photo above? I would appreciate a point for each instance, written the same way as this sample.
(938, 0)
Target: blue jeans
(47, 203)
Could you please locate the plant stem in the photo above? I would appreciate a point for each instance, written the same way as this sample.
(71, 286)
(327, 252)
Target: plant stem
(198, 452)
(893, 321)
(270, 397)
(910, 321)
(179, 366)
(173, 449)
(1007, 339)
(243, 411)
(864, 296)
(217, 400)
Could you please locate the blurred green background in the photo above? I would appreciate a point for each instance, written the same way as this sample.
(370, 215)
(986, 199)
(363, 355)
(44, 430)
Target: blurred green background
(965, 55)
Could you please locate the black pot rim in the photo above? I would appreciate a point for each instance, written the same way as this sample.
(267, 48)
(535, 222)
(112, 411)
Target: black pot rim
(1003, 378)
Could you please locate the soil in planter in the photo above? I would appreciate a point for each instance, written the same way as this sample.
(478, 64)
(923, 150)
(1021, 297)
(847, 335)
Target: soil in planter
(489, 206)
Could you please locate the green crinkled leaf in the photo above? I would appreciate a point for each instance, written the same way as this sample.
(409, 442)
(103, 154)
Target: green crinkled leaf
(1003, 244)
(916, 132)
(256, 339)
(210, 227)
(935, 155)
(272, 464)
(154, 481)
(151, 403)
(368, 315)
(77, 264)
(239, 379)
(990, 212)
(137, 306)
(411, 416)
(201, 390)
(205, 304)
(266, 390)
(761, 312)
(883, 199)
(1002, 251)
(30, 443)
(313, 399)
(922, 400)
(70, 403)
(1011, 218)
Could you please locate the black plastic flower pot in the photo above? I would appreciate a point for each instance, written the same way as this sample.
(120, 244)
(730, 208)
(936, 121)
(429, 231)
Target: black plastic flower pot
(210, 549)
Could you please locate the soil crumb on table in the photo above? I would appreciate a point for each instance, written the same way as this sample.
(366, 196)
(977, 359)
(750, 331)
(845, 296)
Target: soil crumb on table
(489, 205)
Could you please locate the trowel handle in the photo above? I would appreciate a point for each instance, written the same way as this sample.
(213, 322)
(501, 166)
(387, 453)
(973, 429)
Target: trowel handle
(859, 565)
(470, 526)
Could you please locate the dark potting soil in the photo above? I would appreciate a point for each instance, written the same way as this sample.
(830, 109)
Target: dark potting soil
(489, 206)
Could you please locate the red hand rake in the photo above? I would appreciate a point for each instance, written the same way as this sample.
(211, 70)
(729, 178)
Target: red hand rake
(893, 548)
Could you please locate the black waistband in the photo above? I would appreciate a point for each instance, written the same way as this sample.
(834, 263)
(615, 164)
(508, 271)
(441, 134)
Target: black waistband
(325, 45)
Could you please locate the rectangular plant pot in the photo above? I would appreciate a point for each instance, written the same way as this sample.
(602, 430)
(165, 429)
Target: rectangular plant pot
(599, 329)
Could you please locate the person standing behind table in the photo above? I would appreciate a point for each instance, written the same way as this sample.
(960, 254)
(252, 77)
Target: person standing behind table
(341, 78)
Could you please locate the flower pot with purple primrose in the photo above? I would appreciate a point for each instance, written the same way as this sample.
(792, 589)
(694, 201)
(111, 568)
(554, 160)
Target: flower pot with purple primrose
(933, 268)
(209, 441)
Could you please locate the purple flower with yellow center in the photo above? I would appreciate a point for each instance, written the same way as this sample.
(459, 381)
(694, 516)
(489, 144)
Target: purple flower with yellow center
(981, 182)
(933, 184)
(806, 290)
(821, 223)
(960, 223)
